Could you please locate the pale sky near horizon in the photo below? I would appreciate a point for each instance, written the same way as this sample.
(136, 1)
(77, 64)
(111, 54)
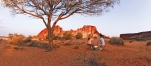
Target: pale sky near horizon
(130, 16)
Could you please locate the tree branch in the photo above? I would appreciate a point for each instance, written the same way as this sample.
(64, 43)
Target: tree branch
(68, 15)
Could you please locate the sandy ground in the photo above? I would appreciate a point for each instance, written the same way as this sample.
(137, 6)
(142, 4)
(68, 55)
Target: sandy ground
(131, 54)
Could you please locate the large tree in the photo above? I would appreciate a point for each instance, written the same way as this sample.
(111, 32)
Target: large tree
(52, 11)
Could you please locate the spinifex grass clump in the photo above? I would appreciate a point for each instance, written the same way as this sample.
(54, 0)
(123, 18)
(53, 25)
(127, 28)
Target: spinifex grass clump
(116, 40)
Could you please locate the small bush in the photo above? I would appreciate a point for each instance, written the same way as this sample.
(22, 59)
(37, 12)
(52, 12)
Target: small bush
(33, 44)
(42, 45)
(148, 44)
(17, 40)
(116, 40)
(79, 35)
(56, 38)
(67, 35)
(28, 39)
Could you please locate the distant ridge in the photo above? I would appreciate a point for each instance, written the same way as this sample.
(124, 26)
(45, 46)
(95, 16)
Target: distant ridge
(139, 35)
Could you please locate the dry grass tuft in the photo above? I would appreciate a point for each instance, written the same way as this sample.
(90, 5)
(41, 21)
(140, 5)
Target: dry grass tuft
(116, 40)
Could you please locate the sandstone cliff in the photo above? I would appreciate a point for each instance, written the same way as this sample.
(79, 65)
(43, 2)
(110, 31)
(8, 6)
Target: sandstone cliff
(140, 35)
(58, 31)
(86, 30)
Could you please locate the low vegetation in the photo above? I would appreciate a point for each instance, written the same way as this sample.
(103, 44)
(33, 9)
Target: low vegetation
(93, 59)
(20, 40)
(148, 44)
(79, 35)
(57, 38)
(67, 43)
(67, 35)
(116, 40)
(16, 40)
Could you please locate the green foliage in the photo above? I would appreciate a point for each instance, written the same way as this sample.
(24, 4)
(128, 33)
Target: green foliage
(79, 35)
(116, 40)
(67, 35)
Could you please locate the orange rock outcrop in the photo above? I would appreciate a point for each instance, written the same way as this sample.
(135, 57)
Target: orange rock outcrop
(57, 31)
(85, 30)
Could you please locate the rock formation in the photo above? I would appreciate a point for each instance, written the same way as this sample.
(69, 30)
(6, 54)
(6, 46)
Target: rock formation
(140, 35)
(58, 31)
(86, 30)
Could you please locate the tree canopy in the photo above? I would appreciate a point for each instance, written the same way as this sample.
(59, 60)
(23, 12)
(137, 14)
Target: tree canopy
(51, 11)
(58, 9)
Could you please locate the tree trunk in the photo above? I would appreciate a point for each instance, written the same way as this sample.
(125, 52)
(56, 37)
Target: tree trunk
(50, 35)
(48, 28)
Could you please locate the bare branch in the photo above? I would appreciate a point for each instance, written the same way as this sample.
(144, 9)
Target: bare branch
(55, 10)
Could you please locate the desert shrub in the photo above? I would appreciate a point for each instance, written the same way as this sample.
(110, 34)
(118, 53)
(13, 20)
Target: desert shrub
(148, 44)
(17, 40)
(67, 35)
(28, 39)
(42, 45)
(116, 40)
(79, 35)
(94, 60)
(56, 37)
(87, 59)
(10, 35)
(33, 44)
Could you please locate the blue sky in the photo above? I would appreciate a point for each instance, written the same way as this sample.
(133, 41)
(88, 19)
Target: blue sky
(130, 16)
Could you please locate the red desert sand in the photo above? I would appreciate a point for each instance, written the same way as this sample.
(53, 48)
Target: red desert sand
(131, 54)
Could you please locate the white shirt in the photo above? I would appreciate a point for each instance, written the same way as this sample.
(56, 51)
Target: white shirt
(102, 41)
